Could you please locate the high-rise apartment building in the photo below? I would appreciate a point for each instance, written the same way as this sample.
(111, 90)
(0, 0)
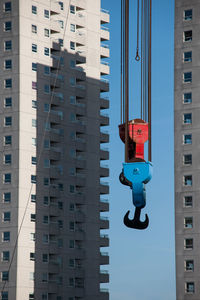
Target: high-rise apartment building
(187, 148)
(52, 197)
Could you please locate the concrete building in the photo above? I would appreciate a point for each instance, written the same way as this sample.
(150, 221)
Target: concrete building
(187, 148)
(53, 200)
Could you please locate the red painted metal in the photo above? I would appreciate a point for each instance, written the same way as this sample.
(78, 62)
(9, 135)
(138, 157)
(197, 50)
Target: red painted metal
(138, 133)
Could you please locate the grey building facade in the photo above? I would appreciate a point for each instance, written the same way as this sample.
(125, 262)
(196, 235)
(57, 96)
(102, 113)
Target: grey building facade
(53, 197)
(187, 148)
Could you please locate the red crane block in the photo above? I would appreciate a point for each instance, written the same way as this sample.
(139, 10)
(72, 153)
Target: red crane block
(138, 132)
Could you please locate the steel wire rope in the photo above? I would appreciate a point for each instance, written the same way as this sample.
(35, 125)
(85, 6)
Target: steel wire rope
(40, 153)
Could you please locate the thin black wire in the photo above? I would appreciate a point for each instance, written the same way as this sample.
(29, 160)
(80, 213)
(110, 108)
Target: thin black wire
(41, 149)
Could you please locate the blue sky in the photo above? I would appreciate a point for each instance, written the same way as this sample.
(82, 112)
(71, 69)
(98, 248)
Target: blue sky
(142, 264)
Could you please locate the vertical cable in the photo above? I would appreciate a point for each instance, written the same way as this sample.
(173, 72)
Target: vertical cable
(121, 83)
(126, 77)
(149, 81)
(141, 79)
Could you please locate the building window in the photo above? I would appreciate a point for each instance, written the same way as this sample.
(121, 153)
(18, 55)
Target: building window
(4, 275)
(71, 226)
(8, 64)
(8, 121)
(34, 28)
(189, 287)
(7, 140)
(34, 141)
(187, 139)
(34, 66)
(32, 276)
(33, 178)
(7, 197)
(5, 256)
(33, 217)
(46, 181)
(8, 102)
(45, 219)
(46, 107)
(33, 198)
(7, 159)
(7, 45)
(34, 9)
(44, 296)
(187, 77)
(32, 236)
(72, 27)
(46, 200)
(6, 236)
(72, 81)
(72, 189)
(32, 256)
(46, 144)
(60, 224)
(187, 159)
(188, 222)
(34, 48)
(71, 282)
(34, 104)
(46, 70)
(46, 13)
(187, 56)
(46, 51)
(188, 244)
(61, 5)
(34, 160)
(72, 9)
(8, 26)
(46, 163)
(71, 207)
(187, 98)
(188, 201)
(71, 244)
(4, 295)
(34, 85)
(187, 118)
(34, 123)
(45, 258)
(187, 36)
(44, 277)
(31, 297)
(72, 45)
(45, 238)
(7, 6)
(61, 42)
(187, 180)
(8, 83)
(6, 216)
(71, 263)
(47, 89)
(188, 14)
(46, 32)
(7, 178)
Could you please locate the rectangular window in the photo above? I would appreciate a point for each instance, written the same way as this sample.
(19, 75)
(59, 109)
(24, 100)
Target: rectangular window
(8, 102)
(33, 198)
(46, 200)
(34, 48)
(6, 216)
(5, 256)
(71, 226)
(188, 14)
(32, 236)
(32, 256)
(46, 13)
(188, 201)
(72, 9)
(7, 45)
(8, 121)
(7, 178)
(61, 42)
(187, 118)
(34, 141)
(34, 28)
(46, 51)
(187, 77)
(4, 275)
(72, 27)
(188, 222)
(61, 24)
(188, 244)
(33, 217)
(187, 36)
(46, 144)
(44, 296)
(46, 163)
(71, 263)
(7, 140)
(7, 197)
(34, 9)
(187, 98)
(7, 6)
(8, 64)
(187, 56)
(46, 70)
(71, 244)
(47, 89)
(61, 5)
(34, 104)
(33, 178)
(4, 295)
(72, 45)
(45, 258)
(187, 159)
(72, 81)
(71, 282)
(44, 277)
(187, 139)
(34, 123)
(34, 160)
(45, 238)
(45, 219)
(8, 83)
(189, 287)
(34, 85)
(6, 236)
(7, 159)
(32, 276)
(8, 26)
(46, 181)
(34, 66)
(46, 32)
(187, 180)
(31, 297)
(72, 189)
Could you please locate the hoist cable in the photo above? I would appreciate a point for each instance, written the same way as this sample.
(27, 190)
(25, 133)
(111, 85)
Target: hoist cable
(121, 63)
(149, 81)
(137, 57)
(142, 57)
(126, 77)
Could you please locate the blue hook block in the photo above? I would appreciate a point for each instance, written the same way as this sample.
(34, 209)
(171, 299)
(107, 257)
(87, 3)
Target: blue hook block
(138, 173)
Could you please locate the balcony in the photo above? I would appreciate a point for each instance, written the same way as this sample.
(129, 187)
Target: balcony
(104, 222)
(104, 205)
(54, 27)
(104, 294)
(104, 189)
(104, 137)
(104, 276)
(104, 240)
(104, 34)
(55, 156)
(105, 16)
(104, 171)
(104, 154)
(104, 258)
(104, 119)
(104, 85)
(104, 51)
(104, 68)
(54, 8)
(104, 103)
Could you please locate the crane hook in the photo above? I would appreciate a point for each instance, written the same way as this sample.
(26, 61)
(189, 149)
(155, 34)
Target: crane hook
(135, 222)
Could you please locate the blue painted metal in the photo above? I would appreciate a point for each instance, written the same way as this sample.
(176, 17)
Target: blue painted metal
(138, 173)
